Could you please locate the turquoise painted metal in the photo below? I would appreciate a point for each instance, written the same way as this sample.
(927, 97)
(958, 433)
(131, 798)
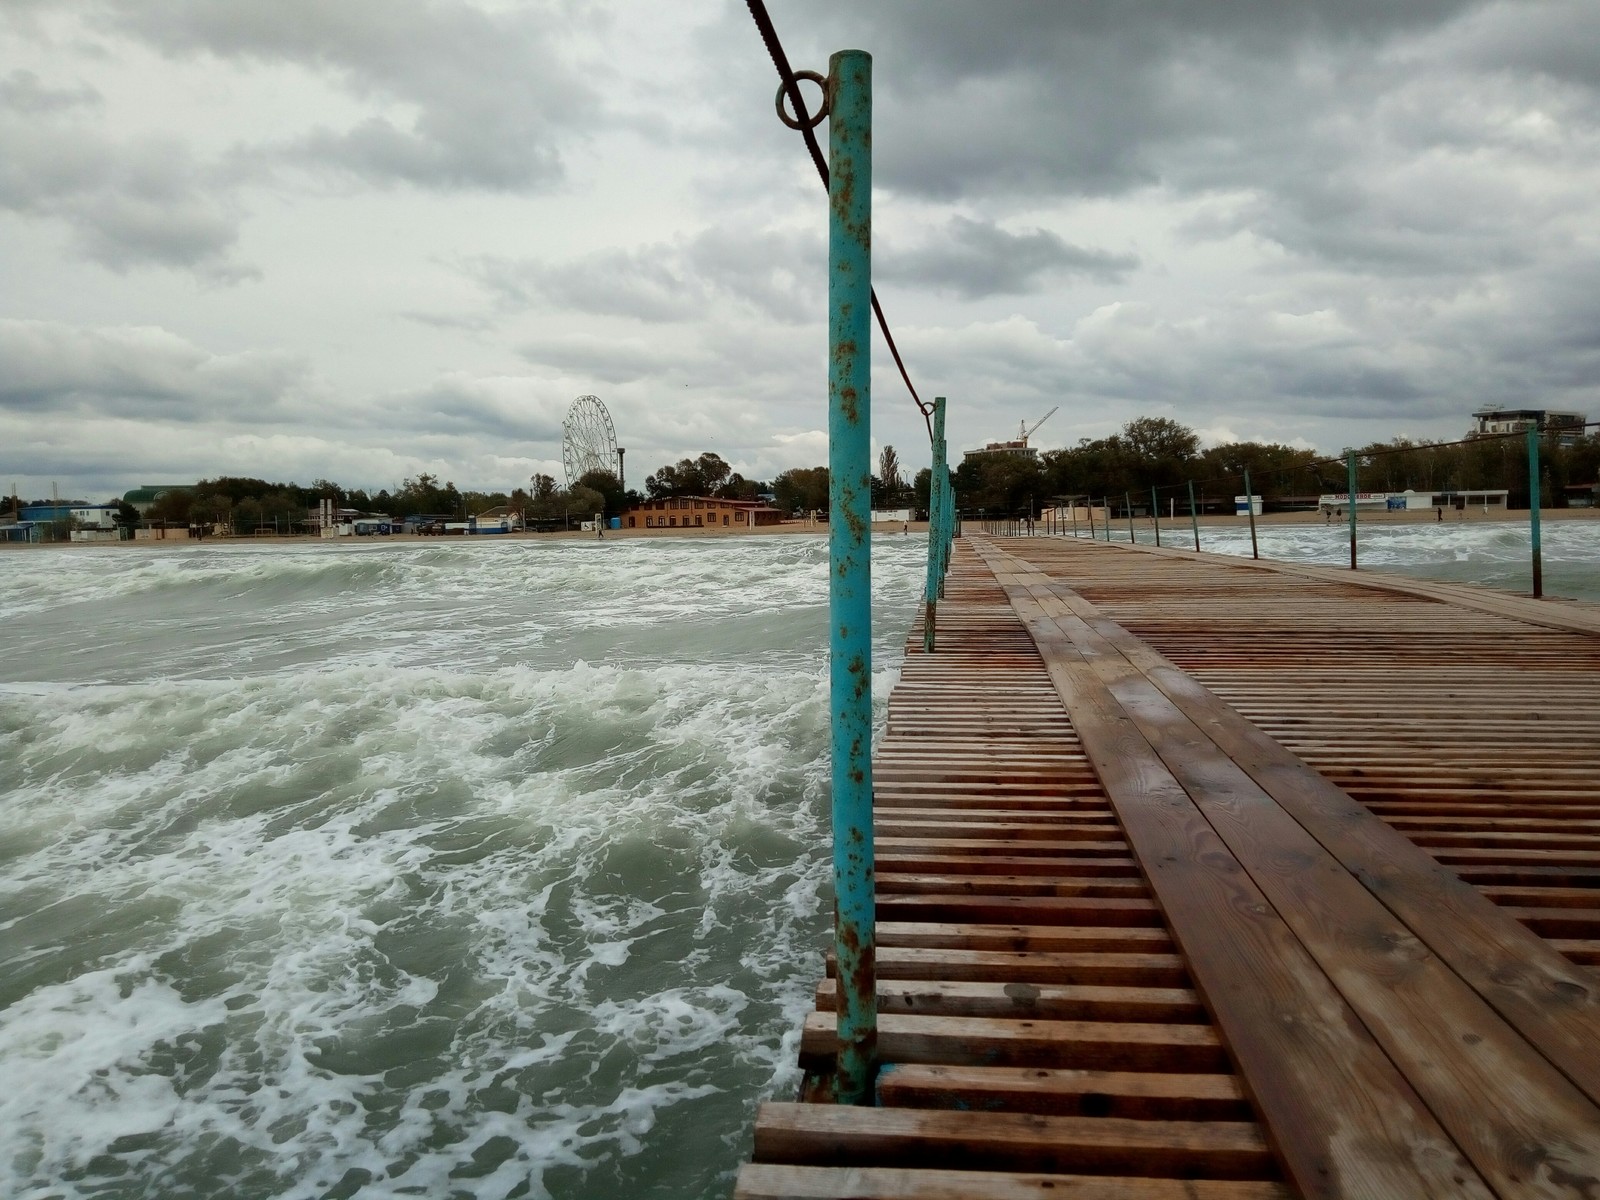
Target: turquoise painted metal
(1250, 508)
(942, 544)
(1155, 514)
(1127, 498)
(1350, 471)
(850, 565)
(1194, 516)
(935, 538)
(1533, 512)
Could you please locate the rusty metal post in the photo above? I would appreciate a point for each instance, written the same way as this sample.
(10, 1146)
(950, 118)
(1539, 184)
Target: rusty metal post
(850, 564)
(1194, 518)
(1533, 511)
(930, 598)
(1250, 507)
(1350, 476)
(1155, 514)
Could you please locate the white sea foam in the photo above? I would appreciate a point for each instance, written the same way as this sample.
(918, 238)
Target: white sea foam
(329, 872)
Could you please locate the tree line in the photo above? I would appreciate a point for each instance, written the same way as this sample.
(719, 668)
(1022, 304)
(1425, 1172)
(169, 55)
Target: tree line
(1156, 452)
(1147, 452)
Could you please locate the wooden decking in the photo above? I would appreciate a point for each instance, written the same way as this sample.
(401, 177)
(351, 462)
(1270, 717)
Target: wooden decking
(1204, 879)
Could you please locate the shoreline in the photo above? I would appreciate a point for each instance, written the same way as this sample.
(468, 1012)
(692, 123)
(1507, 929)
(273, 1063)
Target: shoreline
(1518, 517)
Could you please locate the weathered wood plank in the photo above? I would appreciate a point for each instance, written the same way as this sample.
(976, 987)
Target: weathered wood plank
(1314, 1069)
(1133, 1095)
(768, 1181)
(823, 1135)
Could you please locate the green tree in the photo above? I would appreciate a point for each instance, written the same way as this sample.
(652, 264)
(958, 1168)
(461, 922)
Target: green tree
(803, 489)
(247, 515)
(689, 477)
(1000, 483)
(739, 488)
(609, 487)
(889, 473)
(127, 518)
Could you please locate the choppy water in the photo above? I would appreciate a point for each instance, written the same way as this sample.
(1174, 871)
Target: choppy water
(1492, 553)
(480, 869)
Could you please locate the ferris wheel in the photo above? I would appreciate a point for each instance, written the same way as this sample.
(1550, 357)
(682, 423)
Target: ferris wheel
(588, 440)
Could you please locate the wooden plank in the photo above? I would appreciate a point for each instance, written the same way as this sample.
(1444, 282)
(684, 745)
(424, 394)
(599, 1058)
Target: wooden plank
(1127, 969)
(771, 1181)
(824, 1135)
(1132, 1095)
(1343, 1118)
(1042, 1001)
(1527, 982)
(981, 1042)
(1047, 938)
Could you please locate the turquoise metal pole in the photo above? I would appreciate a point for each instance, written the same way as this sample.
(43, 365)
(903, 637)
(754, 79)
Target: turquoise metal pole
(935, 485)
(1106, 500)
(948, 503)
(1155, 514)
(1194, 518)
(1350, 472)
(850, 563)
(1127, 498)
(1250, 507)
(1533, 511)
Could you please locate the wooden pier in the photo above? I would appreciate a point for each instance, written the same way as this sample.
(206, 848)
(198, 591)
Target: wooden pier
(1205, 878)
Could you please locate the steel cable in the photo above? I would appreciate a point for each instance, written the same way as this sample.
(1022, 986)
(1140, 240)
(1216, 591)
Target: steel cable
(791, 85)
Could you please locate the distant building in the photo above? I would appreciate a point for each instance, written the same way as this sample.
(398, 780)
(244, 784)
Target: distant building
(145, 495)
(1494, 420)
(88, 516)
(1016, 448)
(700, 512)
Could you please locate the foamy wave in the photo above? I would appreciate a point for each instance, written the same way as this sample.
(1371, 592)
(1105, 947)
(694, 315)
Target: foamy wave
(364, 924)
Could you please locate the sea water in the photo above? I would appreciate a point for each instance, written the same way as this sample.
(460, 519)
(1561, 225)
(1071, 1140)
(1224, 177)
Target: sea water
(1493, 554)
(457, 868)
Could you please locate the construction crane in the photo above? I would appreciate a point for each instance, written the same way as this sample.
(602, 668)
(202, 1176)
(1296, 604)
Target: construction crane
(1018, 447)
(1027, 431)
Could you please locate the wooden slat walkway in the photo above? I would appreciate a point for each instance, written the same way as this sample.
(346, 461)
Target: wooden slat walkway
(1103, 890)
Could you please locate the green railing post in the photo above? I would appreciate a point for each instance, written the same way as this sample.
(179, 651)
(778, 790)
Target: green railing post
(1088, 508)
(1127, 498)
(1533, 511)
(935, 486)
(1194, 517)
(1350, 473)
(850, 563)
(1155, 514)
(1250, 507)
(1107, 500)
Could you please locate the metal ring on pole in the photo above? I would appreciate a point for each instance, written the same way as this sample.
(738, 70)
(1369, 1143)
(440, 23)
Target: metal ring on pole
(793, 123)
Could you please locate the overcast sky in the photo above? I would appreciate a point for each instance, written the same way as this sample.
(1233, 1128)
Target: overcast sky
(366, 238)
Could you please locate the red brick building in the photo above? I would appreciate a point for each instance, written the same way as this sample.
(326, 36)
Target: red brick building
(700, 512)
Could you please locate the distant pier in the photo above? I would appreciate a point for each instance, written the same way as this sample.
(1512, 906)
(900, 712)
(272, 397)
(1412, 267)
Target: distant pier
(1202, 877)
